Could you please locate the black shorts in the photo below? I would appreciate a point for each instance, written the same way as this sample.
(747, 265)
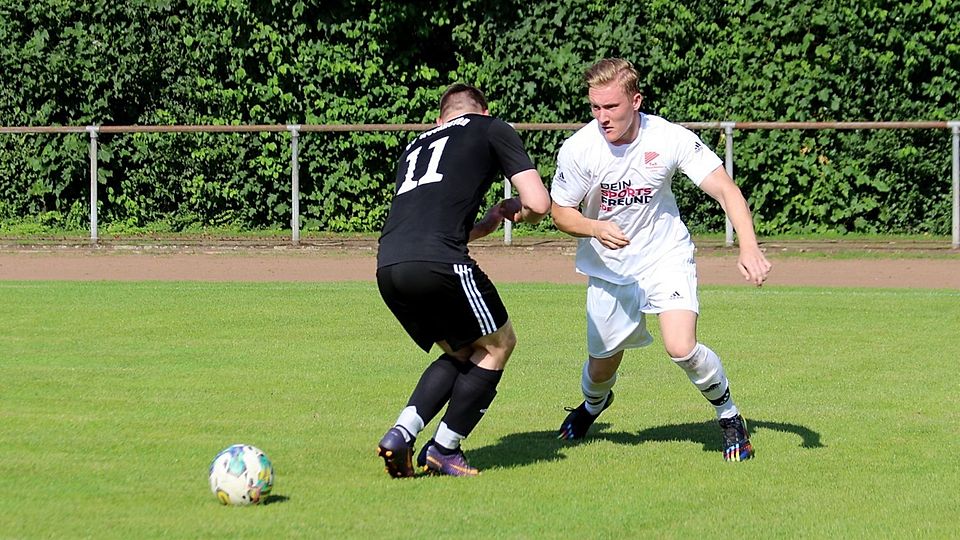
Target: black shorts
(456, 303)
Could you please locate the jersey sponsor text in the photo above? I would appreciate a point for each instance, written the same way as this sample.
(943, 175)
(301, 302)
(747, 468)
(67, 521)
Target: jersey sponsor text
(623, 194)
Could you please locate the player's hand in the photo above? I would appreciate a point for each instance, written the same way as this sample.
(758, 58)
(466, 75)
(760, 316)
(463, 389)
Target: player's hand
(753, 265)
(609, 235)
(511, 209)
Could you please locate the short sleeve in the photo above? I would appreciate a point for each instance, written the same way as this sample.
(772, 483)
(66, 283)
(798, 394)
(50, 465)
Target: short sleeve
(694, 158)
(508, 147)
(570, 184)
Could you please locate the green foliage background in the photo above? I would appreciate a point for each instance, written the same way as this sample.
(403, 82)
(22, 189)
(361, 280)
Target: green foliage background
(66, 62)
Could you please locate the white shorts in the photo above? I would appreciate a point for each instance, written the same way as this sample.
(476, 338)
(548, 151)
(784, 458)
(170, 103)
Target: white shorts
(616, 313)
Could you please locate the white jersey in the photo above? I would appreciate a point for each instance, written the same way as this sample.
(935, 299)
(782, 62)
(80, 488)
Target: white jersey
(630, 185)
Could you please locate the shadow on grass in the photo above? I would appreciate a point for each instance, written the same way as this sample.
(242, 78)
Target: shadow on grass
(275, 499)
(707, 434)
(521, 449)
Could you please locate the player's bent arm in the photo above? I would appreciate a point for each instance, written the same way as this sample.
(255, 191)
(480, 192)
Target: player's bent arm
(569, 220)
(534, 198)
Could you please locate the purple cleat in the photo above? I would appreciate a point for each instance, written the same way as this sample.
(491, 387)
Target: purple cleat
(397, 453)
(451, 465)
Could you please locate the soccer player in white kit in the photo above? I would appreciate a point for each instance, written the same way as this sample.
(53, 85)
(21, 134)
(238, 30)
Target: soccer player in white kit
(612, 190)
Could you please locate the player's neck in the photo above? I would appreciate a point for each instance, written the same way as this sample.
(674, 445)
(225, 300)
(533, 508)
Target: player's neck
(453, 115)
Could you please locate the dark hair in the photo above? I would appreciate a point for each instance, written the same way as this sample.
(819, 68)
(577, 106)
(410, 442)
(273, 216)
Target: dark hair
(459, 96)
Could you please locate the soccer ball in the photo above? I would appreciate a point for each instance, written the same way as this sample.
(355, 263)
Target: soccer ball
(241, 475)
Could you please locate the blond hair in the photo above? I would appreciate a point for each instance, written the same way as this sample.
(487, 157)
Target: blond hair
(611, 70)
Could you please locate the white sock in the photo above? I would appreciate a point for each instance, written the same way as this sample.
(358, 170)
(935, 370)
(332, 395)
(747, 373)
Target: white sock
(410, 421)
(705, 371)
(595, 393)
(447, 437)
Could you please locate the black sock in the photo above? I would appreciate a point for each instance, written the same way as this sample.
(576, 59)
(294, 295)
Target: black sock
(472, 393)
(435, 386)
(444, 450)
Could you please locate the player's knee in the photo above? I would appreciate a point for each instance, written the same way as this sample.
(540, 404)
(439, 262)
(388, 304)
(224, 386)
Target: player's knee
(680, 348)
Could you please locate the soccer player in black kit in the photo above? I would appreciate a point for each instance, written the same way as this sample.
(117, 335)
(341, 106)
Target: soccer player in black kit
(433, 287)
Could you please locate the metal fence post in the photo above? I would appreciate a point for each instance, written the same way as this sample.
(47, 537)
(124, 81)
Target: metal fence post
(507, 193)
(93, 131)
(295, 183)
(507, 224)
(955, 128)
(728, 162)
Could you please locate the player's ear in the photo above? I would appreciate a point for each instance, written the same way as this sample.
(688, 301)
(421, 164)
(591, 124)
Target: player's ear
(485, 112)
(439, 121)
(637, 101)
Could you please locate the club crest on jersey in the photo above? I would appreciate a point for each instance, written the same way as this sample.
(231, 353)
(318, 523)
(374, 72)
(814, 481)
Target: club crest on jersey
(650, 161)
(623, 194)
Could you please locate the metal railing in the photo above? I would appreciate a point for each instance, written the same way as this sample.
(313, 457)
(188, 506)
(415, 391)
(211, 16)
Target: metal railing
(296, 129)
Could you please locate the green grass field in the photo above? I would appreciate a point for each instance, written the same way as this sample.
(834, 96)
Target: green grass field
(114, 397)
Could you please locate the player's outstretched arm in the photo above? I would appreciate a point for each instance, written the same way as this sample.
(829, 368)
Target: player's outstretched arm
(534, 199)
(752, 263)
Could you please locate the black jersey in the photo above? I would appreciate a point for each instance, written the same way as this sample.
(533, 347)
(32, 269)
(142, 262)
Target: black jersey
(442, 178)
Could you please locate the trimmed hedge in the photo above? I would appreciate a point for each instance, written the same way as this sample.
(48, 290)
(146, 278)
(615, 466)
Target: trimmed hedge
(318, 62)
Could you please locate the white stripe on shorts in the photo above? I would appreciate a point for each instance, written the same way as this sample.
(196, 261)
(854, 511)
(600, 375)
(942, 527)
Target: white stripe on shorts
(480, 309)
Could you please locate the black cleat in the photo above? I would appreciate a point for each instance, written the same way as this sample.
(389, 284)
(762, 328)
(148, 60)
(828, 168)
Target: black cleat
(736, 440)
(422, 456)
(577, 423)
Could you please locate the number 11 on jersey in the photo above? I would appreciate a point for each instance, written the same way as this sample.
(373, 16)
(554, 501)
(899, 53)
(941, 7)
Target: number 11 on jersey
(428, 177)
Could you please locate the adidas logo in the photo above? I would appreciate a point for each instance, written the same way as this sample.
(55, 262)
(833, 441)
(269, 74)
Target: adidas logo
(676, 296)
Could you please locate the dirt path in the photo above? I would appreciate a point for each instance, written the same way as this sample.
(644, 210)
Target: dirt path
(539, 261)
